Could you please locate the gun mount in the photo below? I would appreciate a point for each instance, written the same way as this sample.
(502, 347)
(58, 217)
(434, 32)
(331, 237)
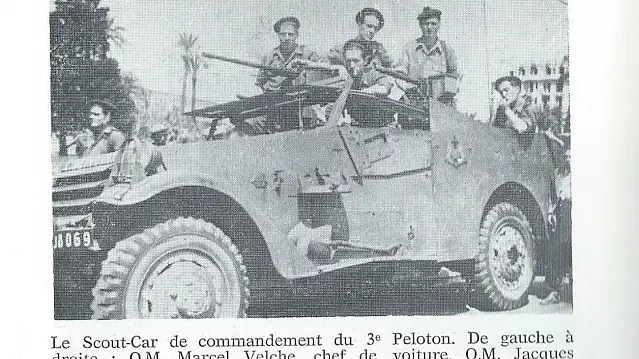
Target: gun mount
(441, 87)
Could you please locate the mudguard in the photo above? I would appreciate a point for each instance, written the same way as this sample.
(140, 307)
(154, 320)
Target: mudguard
(285, 257)
(536, 182)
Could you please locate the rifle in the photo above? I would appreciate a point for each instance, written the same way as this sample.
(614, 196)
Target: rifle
(275, 70)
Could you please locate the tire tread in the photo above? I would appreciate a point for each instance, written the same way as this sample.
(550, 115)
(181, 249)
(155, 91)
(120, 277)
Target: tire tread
(108, 293)
(487, 294)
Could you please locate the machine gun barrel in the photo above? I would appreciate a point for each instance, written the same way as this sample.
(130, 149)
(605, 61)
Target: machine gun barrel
(276, 70)
(397, 75)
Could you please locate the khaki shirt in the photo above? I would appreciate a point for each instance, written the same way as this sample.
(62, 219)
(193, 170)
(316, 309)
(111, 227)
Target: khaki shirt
(420, 63)
(275, 58)
(377, 51)
(109, 140)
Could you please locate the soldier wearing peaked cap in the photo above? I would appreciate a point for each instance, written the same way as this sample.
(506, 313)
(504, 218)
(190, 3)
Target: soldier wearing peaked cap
(369, 22)
(287, 55)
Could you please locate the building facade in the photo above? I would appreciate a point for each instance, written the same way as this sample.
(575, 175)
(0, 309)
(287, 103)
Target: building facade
(547, 85)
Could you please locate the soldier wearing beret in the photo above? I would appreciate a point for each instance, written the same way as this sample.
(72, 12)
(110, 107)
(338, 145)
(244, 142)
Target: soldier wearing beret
(369, 22)
(428, 55)
(285, 56)
(102, 137)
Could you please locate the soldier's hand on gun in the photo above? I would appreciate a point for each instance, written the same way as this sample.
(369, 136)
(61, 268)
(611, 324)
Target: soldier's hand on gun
(341, 70)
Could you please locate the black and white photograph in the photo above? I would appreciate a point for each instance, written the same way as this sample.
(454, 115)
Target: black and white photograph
(304, 158)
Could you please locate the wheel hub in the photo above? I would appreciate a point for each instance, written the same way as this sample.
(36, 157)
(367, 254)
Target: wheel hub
(509, 259)
(183, 285)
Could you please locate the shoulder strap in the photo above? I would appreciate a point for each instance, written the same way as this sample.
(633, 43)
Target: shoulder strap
(445, 50)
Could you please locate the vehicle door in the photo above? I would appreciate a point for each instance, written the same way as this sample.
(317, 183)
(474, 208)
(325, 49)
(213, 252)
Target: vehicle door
(390, 148)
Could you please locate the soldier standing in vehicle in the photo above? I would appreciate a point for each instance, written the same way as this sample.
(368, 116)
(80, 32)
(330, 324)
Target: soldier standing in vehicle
(428, 55)
(285, 56)
(102, 136)
(514, 110)
(369, 22)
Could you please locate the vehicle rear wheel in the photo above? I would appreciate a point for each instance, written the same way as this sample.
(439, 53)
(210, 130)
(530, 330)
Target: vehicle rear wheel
(504, 267)
(183, 268)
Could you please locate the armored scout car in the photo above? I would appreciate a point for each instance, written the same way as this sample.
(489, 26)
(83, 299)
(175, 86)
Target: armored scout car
(379, 182)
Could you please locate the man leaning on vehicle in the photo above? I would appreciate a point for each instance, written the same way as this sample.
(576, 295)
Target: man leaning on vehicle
(514, 110)
(102, 137)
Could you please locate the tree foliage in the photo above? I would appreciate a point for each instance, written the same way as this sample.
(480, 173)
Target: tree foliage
(81, 70)
(186, 42)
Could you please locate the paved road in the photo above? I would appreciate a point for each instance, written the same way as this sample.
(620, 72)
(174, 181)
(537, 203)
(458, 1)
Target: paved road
(334, 297)
(399, 299)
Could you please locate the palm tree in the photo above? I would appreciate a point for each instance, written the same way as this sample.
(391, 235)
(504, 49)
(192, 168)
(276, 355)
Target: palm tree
(141, 97)
(186, 42)
(196, 62)
(192, 61)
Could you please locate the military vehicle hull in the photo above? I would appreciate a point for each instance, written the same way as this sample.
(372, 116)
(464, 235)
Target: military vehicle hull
(286, 206)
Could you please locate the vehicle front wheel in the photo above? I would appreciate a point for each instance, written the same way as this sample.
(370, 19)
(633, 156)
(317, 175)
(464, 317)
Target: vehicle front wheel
(504, 267)
(183, 268)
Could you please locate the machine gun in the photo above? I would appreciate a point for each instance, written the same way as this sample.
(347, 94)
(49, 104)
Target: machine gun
(275, 70)
(323, 75)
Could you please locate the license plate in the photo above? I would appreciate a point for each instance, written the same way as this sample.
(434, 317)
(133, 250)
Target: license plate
(74, 238)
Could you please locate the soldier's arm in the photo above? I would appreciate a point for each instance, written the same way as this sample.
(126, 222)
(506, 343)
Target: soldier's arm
(402, 67)
(385, 58)
(377, 89)
(263, 75)
(520, 121)
(312, 55)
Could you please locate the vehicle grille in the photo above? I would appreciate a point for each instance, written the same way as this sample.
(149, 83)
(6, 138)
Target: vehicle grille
(73, 194)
